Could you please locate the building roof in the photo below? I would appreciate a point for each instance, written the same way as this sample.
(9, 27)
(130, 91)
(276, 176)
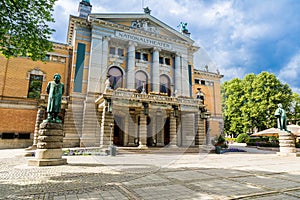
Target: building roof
(113, 20)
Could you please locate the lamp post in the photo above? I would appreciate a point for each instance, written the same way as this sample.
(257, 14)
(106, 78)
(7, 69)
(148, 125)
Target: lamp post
(110, 135)
(112, 148)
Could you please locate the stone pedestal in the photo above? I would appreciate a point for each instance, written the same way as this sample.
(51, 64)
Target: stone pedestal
(287, 144)
(49, 146)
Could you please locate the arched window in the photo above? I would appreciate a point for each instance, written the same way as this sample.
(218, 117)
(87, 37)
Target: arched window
(140, 78)
(164, 84)
(115, 77)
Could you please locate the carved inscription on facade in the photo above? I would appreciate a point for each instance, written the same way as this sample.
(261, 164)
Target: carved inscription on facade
(143, 40)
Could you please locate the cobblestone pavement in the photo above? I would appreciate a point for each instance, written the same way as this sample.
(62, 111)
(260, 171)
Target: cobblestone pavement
(241, 175)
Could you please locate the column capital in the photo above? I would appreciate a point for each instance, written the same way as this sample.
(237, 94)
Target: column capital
(156, 49)
(131, 43)
(178, 54)
(106, 38)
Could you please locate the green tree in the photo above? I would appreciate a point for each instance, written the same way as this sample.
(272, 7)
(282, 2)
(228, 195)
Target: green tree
(294, 111)
(24, 28)
(232, 93)
(252, 102)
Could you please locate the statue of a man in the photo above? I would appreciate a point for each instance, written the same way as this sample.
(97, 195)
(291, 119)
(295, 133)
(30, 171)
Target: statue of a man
(281, 118)
(55, 90)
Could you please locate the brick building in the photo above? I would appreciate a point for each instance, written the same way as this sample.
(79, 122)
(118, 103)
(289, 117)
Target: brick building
(130, 80)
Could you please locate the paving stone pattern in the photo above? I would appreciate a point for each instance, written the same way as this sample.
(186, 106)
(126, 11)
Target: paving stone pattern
(150, 176)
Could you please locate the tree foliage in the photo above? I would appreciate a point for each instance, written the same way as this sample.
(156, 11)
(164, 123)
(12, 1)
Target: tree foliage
(251, 102)
(24, 28)
(294, 110)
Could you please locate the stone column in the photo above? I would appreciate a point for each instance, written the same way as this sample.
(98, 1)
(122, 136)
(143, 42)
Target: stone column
(126, 132)
(178, 74)
(155, 70)
(130, 65)
(49, 146)
(173, 132)
(143, 131)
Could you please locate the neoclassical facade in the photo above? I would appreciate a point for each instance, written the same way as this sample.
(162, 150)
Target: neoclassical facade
(131, 82)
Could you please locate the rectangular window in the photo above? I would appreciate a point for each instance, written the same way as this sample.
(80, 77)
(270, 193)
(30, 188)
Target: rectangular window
(161, 60)
(24, 136)
(54, 58)
(197, 81)
(112, 50)
(8, 136)
(137, 55)
(63, 60)
(167, 61)
(35, 86)
(190, 79)
(79, 67)
(202, 82)
(121, 52)
(145, 56)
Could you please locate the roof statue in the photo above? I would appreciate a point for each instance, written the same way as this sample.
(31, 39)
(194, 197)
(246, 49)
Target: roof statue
(183, 28)
(147, 10)
(87, 1)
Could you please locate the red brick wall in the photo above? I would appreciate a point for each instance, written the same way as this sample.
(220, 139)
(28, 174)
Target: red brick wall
(17, 120)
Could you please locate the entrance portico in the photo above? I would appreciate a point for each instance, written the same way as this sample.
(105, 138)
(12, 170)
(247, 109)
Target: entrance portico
(147, 120)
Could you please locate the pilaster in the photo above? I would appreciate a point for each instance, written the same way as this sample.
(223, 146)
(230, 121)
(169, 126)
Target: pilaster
(178, 74)
(96, 68)
(185, 76)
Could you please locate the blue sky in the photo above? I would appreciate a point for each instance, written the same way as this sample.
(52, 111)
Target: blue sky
(236, 37)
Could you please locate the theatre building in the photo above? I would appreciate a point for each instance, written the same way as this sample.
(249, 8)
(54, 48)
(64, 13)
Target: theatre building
(130, 81)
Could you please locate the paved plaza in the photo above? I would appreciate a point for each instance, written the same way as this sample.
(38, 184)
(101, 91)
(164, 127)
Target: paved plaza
(240, 175)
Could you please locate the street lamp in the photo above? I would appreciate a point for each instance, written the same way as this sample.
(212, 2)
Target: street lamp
(110, 135)
(112, 148)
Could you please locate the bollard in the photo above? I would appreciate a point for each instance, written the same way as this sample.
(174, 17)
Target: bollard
(112, 150)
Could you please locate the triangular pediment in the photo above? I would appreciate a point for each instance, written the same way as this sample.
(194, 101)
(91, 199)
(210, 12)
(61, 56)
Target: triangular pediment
(143, 22)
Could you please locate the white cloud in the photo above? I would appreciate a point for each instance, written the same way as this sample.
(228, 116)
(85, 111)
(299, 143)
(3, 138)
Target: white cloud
(237, 36)
(70, 7)
(291, 72)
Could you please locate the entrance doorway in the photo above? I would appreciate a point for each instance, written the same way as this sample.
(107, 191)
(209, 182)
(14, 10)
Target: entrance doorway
(118, 131)
(167, 131)
(151, 139)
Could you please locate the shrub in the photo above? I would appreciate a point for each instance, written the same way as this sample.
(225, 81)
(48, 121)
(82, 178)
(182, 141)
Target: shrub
(243, 138)
(221, 139)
